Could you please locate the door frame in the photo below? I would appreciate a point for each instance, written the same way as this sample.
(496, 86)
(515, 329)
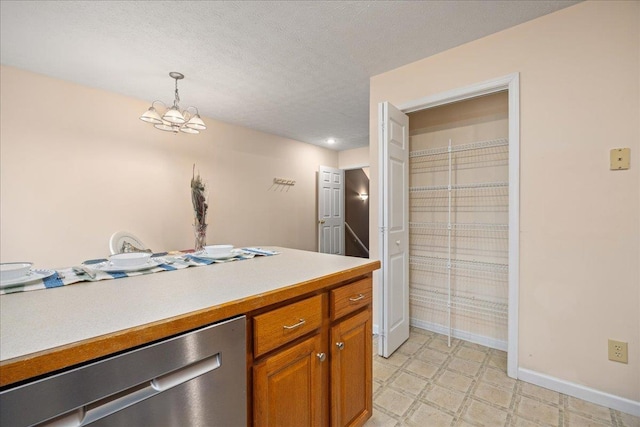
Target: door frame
(344, 201)
(511, 83)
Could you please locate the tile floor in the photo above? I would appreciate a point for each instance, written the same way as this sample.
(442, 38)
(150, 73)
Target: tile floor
(427, 384)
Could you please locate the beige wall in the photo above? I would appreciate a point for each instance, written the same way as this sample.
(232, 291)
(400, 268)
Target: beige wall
(579, 229)
(78, 165)
(350, 159)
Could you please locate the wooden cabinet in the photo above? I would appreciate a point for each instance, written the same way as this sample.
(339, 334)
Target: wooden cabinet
(351, 353)
(285, 324)
(288, 386)
(311, 359)
(349, 298)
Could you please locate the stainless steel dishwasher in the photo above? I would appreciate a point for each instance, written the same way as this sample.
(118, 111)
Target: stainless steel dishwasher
(194, 379)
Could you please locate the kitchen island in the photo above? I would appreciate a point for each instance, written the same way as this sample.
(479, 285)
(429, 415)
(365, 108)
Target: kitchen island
(48, 330)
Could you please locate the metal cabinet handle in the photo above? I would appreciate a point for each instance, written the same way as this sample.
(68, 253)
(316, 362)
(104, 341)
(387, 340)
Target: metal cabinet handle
(340, 345)
(358, 298)
(321, 356)
(297, 325)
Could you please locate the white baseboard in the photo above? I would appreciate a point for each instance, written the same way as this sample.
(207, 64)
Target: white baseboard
(463, 335)
(581, 392)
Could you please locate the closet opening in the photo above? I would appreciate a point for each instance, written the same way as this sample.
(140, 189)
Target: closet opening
(449, 195)
(459, 219)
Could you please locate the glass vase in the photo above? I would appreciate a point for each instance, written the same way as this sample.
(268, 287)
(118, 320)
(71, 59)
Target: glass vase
(200, 232)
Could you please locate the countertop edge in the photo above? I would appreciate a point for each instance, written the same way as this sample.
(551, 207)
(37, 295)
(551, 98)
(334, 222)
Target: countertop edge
(54, 359)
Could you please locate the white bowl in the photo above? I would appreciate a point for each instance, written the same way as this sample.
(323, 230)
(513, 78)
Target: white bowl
(218, 249)
(129, 259)
(14, 270)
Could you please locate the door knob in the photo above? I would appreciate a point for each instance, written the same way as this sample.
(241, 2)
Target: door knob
(321, 356)
(321, 221)
(398, 242)
(340, 345)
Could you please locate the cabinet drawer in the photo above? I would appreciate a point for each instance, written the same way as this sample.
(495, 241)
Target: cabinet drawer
(349, 298)
(280, 326)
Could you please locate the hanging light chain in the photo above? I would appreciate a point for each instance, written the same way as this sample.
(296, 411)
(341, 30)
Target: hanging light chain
(177, 98)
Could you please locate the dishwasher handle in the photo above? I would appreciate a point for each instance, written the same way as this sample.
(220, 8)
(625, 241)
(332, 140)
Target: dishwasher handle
(112, 404)
(186, 373)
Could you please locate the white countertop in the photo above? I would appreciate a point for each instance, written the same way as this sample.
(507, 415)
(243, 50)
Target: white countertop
(40, 320)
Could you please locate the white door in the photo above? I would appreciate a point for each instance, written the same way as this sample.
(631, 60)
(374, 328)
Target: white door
(331, 210)
(394, 227)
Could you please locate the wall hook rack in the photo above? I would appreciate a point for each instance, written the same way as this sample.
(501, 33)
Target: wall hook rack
(282, 184)
(282, 181)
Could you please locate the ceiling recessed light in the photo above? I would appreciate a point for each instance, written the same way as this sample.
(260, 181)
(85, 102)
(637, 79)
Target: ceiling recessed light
(331, 141)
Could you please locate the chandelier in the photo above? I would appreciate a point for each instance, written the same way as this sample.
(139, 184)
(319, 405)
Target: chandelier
(173, 120)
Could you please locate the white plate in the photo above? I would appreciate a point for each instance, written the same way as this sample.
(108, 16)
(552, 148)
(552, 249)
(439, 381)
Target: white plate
(107, 267)
(205, 255)
(31, 277)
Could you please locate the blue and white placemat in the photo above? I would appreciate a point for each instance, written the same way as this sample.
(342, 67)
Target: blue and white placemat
(93, 270)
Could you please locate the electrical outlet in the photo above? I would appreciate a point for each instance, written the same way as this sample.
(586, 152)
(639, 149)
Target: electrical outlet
(618, 351)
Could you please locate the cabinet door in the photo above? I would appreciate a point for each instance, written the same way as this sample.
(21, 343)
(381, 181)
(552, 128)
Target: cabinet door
(287, 386)
(351, 355)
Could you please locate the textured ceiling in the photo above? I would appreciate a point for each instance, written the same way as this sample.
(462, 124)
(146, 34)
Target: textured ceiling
(299, 69)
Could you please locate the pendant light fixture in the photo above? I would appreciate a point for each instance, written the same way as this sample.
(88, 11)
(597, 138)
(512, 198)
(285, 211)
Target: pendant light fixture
(173, 120)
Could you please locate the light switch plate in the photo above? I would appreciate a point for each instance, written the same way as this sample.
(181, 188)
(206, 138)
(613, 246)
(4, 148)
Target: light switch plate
(620, 158)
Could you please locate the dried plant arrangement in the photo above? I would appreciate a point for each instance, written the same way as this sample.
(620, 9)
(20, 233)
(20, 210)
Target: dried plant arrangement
(199, 201)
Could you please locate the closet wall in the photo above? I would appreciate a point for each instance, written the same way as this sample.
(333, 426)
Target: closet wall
(458, 227)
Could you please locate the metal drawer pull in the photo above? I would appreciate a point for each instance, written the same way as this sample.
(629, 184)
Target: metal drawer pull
(297, 325)
(340, 345)
(358, 298)
(321, 356)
